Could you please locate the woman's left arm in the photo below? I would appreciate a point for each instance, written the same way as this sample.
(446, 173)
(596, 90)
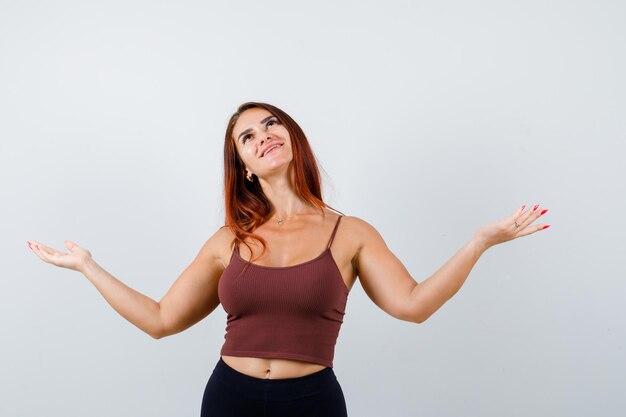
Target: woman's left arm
(389, 285)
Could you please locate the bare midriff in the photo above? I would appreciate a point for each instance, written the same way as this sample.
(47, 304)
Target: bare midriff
(271, 368)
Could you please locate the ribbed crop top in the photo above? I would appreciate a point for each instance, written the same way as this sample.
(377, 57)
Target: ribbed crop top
(292, 312)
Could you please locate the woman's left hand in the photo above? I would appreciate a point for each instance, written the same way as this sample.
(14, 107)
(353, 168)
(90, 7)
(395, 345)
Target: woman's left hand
(506, 229)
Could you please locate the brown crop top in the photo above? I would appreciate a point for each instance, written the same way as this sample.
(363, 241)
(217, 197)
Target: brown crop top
(292, 312)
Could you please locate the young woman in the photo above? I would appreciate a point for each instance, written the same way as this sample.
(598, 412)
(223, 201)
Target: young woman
(282, 268)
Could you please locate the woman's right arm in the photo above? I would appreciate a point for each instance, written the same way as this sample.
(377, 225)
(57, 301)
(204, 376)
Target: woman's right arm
(192, 297)
(137, 308)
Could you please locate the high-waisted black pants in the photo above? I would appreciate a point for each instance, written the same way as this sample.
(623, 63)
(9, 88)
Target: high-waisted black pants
(230, 393)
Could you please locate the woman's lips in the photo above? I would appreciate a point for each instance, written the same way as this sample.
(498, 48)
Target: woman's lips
(272, 150)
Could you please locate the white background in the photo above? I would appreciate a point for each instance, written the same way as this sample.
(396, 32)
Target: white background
(429, 118)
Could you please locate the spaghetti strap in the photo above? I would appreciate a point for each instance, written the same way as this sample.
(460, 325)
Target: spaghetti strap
(330, 242)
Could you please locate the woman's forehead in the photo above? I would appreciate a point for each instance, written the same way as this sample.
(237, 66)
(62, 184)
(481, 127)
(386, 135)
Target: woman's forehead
(248, 119)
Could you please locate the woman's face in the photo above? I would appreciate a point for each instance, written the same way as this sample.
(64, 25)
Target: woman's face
(257, 131)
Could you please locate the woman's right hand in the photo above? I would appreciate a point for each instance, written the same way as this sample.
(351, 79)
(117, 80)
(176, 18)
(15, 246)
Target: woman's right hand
(75, 260)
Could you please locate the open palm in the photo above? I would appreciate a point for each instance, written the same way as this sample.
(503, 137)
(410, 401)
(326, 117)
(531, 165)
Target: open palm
(511, 227)
(75, 259)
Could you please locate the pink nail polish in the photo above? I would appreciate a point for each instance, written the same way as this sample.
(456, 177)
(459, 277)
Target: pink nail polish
(545, 227)
(523, 206)
(543, 212)
(535, 208)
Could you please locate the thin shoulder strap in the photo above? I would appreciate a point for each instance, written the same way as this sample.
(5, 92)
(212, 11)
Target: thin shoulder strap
(330, 242)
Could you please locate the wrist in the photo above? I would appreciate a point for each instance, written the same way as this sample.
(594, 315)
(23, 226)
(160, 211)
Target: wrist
(480, 243)
(87, 266)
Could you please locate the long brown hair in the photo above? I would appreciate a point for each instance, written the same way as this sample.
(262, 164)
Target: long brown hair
(247, 207)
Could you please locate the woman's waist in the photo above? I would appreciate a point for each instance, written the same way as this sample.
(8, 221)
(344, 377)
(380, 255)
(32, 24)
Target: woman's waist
(272, 368)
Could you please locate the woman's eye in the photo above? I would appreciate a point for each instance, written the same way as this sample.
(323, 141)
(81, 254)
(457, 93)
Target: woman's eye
(246, 137)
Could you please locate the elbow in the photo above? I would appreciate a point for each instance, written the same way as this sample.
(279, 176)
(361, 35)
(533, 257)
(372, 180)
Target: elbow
(419, 309)
(158, 329)
(418, 317)
(415, 313)
(422, 317)
(157, 333)
(413, 317)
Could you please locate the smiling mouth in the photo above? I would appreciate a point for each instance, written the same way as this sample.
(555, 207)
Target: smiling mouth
(271, 150)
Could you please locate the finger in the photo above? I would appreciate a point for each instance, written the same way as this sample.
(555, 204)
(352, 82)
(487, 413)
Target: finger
(37, 245)
(50, 251)
(518, 211)
(37, 249)
(50, 256)
(45, 248)
(517, 218)
(527, 218)
(55, 251)
(536, 213)
(71, 246)
(34, 248)
(43, 253)
(533, 229)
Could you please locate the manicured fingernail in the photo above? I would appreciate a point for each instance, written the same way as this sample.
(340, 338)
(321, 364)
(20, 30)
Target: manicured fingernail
(543, 212)
(545, 227)
(523, 207)
(535, 208)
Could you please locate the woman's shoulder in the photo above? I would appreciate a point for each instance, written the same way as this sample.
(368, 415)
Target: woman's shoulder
(351, 221)
(357, 229)
(220, 243)
(225, 236)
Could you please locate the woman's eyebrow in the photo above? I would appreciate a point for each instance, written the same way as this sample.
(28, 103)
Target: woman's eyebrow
(248, 130)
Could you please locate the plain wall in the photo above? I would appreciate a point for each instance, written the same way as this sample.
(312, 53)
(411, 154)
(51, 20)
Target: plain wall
(429, 119)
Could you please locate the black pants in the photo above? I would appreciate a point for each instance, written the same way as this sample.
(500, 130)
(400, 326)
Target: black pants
(230, 393)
